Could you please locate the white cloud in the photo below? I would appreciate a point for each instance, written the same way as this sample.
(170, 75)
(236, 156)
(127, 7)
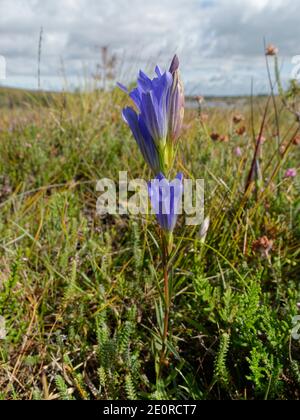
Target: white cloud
(217, 40)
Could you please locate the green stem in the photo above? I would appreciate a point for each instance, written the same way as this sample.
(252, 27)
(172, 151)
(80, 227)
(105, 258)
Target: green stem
(165, 256)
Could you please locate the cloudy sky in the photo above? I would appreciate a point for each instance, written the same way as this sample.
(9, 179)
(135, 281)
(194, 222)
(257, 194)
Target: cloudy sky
(219, 42)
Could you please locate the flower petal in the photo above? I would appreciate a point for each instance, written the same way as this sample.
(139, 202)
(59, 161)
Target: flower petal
(158, 71)
(152, 115)
(143, 138)
(135, 95)
(165, 200)
(144, 82)
(122, 87)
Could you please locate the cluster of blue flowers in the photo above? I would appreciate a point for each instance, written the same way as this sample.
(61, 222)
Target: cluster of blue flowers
(156, 125)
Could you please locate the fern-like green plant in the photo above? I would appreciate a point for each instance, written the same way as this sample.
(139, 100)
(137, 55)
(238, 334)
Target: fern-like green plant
(296, 371)
(62, 388)
(265, 372)
(116, 357)
(130, 387)
(221, 374)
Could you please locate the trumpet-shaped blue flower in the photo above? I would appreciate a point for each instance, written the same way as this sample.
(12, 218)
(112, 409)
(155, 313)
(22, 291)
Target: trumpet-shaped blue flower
(159, 103)
(166, 199)
(143, 138)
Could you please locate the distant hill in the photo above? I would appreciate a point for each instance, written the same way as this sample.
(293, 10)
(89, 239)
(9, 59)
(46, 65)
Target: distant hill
(13, 97)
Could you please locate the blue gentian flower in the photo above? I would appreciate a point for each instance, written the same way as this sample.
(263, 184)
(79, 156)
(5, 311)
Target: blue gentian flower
(157, 123)
(143, 139)
(166, 199)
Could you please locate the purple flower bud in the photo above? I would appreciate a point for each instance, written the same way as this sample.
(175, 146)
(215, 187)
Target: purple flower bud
(290, 173)
(174, 66)
(166, 198)
(238, 152)
(175, 102)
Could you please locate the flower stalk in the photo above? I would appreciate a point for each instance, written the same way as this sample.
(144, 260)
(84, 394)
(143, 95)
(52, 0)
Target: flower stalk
(156, 123)
(165, 263)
